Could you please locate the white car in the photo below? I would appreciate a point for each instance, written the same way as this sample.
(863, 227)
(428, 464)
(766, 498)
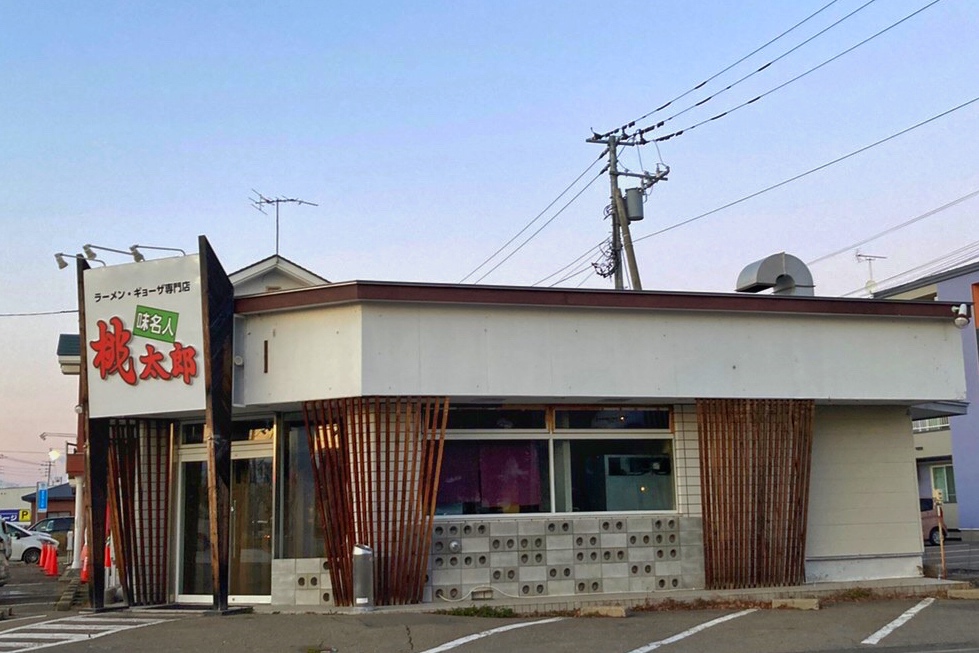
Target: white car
(26, 545)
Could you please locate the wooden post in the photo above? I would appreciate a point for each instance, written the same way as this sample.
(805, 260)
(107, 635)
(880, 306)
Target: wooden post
(217, 299)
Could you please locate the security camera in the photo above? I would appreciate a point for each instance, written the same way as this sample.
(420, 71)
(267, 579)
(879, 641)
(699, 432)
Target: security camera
(962, 315)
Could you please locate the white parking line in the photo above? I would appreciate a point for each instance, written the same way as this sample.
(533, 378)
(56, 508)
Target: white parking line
(486, 633)
(692, 631)
(897, 623)
(31, 637)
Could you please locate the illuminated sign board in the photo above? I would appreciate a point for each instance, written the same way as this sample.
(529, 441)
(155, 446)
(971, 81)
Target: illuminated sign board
(144, 338)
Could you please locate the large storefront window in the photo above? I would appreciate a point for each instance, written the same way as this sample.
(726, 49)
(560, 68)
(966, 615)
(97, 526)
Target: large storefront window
(300, 533)
(596, 459)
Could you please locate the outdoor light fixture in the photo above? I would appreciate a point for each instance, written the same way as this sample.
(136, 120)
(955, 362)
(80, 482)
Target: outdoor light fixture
(62, 263)
(961, 315)
(91, 255)
(139, 256)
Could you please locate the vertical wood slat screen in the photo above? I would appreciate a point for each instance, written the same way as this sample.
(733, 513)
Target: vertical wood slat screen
(139, 491)
(755, 460)
(376, 464)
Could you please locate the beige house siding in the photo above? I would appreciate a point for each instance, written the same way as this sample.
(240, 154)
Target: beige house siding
(864, 497)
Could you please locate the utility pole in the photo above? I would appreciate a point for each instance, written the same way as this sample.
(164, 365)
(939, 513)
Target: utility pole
(261, 201)
(621, 234)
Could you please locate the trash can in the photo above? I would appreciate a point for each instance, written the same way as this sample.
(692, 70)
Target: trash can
(363, 577)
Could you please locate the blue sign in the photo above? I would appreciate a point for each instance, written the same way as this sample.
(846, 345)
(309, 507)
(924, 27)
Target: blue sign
(10, 515)
(42, 497)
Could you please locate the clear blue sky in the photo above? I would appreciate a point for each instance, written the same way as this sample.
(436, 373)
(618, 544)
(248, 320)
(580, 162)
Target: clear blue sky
(430, 133)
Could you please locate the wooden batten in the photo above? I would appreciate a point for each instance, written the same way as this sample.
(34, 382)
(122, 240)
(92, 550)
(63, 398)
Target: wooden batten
(755, 458)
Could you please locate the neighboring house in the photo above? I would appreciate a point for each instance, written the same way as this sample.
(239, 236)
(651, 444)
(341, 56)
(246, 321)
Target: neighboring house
(947, 447)
(61, 502)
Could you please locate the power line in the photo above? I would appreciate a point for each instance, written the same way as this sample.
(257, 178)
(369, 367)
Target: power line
(897, 227)
(779, 184)
(758, 70)
(543, 226)
(536, 218)
(810, 171)
(38, 313)
(632, 123)
(679, 132)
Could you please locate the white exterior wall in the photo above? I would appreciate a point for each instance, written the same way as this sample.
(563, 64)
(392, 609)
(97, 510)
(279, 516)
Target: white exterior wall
(863, 503)
(313, 354)
(593, 354)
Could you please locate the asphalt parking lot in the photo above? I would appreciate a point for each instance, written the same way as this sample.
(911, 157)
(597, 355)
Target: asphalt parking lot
(850, 623)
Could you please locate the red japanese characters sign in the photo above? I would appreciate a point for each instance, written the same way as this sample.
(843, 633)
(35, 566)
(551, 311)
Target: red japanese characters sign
(144, 338)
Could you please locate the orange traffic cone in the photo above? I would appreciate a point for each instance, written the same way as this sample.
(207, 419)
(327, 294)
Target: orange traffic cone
(108, 556)
(84, 574)
(43, 558)
(52, 567)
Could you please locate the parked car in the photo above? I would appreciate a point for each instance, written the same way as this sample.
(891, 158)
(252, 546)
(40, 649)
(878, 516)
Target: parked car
(930, 523)
(26, 545)
(56, 527)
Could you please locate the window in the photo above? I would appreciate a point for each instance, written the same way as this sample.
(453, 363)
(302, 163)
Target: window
(249, 430)
(930, 424)
(943, 478)
(485, 477)
(608, 459)
(605, 475)
(300, 533)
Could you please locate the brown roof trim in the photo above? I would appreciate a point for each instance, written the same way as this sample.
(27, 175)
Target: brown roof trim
(381, 291)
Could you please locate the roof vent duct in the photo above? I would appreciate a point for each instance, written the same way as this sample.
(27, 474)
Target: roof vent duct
(784, 273)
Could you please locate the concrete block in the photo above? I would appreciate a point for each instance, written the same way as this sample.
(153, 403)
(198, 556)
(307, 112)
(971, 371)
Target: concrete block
(475, 576)
(530, 542)
(612, 525)
(614, 611)
(507, 589)
(475, 544)
(560, 587)
(563, 527)
(585, 572)
(585, 525)
(613, 540)
(588, 556)
(532, 573)
(511, 559)
(309, 565)
(285, 566)
(557, 542)
(308, 597)
(616, 570)
(503, 575)
(964, 594)
(446, 577)
(560, 557)
(639, 524)
(642, 554)
(532, 558)
(668, 569)
(503, 528)
(615, 584)
(796, 604)
(531, 527)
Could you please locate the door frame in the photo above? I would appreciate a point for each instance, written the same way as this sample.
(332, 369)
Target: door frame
(198, 453)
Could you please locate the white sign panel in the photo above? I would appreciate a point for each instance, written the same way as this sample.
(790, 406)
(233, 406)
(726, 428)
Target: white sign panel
(144, 337)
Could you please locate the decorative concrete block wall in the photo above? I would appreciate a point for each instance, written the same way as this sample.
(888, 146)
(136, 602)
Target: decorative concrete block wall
(578, 555)
(302, 581)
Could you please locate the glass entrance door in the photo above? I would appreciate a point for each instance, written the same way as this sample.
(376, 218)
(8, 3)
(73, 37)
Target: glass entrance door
(250, 533)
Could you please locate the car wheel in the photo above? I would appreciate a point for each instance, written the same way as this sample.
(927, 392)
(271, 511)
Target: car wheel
(934, 536)
(31, 556)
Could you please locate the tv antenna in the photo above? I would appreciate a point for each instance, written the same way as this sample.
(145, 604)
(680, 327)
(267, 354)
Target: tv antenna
(871, 285)
(261, 201)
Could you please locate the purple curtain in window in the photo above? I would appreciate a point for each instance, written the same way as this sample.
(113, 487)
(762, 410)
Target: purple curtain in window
(509, 474)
